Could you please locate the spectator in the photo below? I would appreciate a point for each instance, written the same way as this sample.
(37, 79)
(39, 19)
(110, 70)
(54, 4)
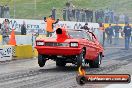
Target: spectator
(102, 15)
(96, 16)
(116, 18)
(122, 18)
(64, 14)
(111, 16)
(82, 15)
(23, 29)
(127, 30)
(91, 15)
(107, 15)
(85, 27)
(77, 26)
(126, 19)
(117, 29)
(73, 13)
(5, 31)
(49, 28)
(53, 12)
(69, 14)
(6, 12)
(77, 15)
(99, 16)
(109, 32)
(87, 15)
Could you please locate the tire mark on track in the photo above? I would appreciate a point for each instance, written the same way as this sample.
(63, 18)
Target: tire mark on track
(67, 76)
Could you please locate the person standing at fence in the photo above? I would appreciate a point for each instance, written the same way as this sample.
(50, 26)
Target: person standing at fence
(107, 15)
(82, 15)
(96, 16)
(85, 27)
(117, 30)
(127, 30)
(126, 18)
(49, 28)
(23, 29)
(53, 12)
(87, 15)
(5, 31)
(69, 14)
(91, 15)
(116, 18)
(64, 14)
(111, 13)
(122, 18)
(77, 15)
(109, 32)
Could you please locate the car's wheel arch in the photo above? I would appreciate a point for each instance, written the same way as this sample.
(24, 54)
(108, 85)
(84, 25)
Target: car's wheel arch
(84, 48)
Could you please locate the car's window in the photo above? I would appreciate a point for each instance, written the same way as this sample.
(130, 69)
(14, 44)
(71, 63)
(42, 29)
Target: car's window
(91, 37)
(87, 36)
(76, 34)
(79, 34)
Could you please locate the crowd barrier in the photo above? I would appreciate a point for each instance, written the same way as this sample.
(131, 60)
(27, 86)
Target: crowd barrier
(6, 52)
(23, 52)
(24, 48)
(10, 52)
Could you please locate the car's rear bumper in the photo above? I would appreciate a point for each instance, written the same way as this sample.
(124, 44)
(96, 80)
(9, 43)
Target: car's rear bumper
(58, 50)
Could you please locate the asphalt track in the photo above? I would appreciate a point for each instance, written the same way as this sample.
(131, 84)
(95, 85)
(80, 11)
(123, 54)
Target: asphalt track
(27, 73)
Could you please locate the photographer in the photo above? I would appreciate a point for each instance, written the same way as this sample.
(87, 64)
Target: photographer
(5, 31)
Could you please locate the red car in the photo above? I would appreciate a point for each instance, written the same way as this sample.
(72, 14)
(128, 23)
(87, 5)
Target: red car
(78, 47)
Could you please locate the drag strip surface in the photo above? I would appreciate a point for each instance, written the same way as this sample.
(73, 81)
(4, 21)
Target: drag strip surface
(51, 76)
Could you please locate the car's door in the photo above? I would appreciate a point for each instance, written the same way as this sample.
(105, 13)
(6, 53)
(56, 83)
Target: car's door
(89, 46)
(93, 52)
(96, 45)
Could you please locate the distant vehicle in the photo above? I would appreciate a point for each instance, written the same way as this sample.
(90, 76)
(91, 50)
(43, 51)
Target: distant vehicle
(78, 47)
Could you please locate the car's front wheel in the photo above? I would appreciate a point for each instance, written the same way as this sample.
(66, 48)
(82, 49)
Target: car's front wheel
(96, 63)
(41, 60)
(81, 59)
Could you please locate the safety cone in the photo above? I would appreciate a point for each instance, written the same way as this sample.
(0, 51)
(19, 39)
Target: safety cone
(12, 40)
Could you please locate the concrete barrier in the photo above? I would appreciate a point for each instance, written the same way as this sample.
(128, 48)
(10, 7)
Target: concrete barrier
(23, 52)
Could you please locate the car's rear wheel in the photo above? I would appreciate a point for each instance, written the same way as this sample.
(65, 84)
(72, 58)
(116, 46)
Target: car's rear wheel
(60, 63)
(81, 59)
(41, 60)
(96, 63)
